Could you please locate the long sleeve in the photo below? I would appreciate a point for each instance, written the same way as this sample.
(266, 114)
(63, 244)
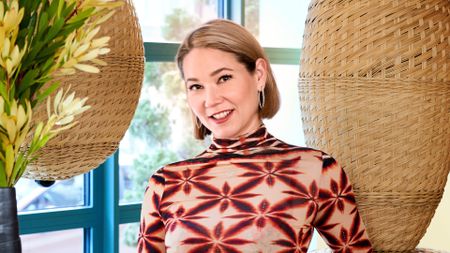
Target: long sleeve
(152, 232)
(338, 220)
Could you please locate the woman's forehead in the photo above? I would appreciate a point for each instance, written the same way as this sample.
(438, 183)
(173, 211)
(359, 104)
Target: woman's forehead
(209, 61)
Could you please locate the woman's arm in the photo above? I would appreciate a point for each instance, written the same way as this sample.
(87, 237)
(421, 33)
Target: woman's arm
(152, 230)
(337, 219)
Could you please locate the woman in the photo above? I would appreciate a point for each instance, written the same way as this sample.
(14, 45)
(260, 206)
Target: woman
(248, 192)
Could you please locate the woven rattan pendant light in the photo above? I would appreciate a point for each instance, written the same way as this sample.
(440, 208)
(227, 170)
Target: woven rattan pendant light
(113, 95)
(375, 93)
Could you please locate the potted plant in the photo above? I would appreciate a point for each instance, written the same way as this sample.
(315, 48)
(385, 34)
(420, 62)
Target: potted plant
(38, 41)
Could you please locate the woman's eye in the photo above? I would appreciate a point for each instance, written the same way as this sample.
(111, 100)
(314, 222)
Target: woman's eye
(195, 87)
(225, 78)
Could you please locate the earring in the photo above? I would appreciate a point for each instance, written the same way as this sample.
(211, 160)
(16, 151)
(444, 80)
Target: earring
(198, 124)
(262, 99)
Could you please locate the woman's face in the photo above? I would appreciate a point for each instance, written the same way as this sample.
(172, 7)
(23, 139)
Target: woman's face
(222, 93)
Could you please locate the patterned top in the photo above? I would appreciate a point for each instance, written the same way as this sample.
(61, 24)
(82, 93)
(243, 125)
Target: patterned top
(252, 194)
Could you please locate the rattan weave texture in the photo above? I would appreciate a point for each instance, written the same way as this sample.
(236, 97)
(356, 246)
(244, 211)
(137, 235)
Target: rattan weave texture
(374, 88)
(113, 95)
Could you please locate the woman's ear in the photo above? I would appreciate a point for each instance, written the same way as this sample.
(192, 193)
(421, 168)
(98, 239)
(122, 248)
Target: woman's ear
(261, 73)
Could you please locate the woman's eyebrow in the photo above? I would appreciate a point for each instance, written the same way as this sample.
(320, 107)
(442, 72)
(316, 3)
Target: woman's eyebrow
(192, 79)
(215, 72)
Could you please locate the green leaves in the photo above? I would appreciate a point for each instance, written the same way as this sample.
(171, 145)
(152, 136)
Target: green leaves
(42, 96)
(44, 36)
(55, 29)
(27, 81)
(43, 24)
(19, 168)
(3, 180)
(53, 8)
(3, 91)
(45, 32)
(82, 16)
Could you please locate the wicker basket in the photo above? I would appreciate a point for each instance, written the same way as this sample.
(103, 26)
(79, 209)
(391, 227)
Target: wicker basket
(375, 92)
(113, 95)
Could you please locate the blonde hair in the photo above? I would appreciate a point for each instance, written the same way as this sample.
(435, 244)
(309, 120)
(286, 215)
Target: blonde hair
(230, 37)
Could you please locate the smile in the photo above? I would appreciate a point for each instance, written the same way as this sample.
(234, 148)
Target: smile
(221, 115)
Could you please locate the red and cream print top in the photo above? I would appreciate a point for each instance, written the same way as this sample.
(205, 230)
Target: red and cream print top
(252, 194)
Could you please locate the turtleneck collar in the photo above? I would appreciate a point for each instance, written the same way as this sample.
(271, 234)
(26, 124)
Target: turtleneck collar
(250, 140)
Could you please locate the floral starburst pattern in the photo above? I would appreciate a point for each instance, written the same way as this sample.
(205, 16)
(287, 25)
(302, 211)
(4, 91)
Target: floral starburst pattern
(271, 172)
(152, 228)
(216, 241)
(188, 179)
(295, 242)
(268, 200)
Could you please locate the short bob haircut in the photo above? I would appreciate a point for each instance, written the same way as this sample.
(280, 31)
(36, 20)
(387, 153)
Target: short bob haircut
(230, 37)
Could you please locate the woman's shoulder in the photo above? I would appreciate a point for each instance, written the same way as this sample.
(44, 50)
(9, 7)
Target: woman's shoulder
(180, 164)
(303, 150)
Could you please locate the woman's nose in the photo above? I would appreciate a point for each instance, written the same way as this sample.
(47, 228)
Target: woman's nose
(212, 97)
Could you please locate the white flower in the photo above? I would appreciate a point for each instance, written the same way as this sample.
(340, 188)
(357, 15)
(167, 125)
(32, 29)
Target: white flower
(66, 107)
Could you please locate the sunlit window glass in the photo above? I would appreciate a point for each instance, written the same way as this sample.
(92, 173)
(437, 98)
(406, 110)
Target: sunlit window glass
(170, 20)
(67, 241)
(286, 124)
(63, 193)
(128, 237)
(276, 23)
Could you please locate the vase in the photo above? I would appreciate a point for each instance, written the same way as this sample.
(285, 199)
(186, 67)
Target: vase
(113, 96)
(374, 92)
(9, 225)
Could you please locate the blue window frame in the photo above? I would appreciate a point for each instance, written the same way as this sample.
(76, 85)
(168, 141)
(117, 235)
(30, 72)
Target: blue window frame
(101, 216)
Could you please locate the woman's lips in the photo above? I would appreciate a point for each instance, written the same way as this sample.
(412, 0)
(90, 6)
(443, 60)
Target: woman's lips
(221, 117)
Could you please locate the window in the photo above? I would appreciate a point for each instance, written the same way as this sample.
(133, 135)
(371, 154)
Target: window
(52, 242)
(100, 211)
(67, 193)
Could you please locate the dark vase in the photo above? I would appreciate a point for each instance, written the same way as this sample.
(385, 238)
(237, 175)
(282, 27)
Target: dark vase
(9, 225)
